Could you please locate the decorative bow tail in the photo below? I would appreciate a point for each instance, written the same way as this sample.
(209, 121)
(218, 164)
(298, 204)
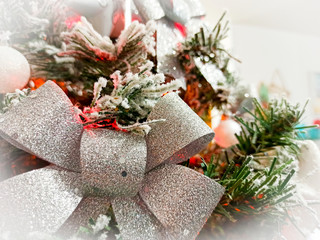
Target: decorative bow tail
(152, 198)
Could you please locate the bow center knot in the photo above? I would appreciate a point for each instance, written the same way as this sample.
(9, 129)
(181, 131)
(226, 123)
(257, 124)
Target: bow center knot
(112, 162)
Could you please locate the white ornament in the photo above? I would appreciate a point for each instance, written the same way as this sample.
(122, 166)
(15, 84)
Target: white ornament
(307, 180)
(216, 115)
(14, 70)
(225, 133)
(308, 176)
(98, 12)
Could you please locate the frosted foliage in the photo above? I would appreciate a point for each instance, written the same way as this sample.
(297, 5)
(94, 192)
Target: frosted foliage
(134, 95)
(22, 16)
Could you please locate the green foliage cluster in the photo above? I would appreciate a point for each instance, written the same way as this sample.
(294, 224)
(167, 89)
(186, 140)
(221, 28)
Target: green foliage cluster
(85, 55)
(206, 48)
(264, 191)
(209, 49)
(276, 125)
(251, 192)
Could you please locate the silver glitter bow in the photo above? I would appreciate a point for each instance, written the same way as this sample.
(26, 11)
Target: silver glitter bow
(152, 198)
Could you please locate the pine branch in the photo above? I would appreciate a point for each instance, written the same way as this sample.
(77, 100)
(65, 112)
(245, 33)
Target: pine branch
(274, 126)
(87, 55)
(132, 99)
(207, 48)
(251, 192)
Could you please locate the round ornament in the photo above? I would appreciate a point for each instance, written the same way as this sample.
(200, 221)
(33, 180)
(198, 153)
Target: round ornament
(225, 133)
(308, 176)
(14, 70)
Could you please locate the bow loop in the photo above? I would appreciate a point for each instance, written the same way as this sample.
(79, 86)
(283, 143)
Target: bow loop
(180, 198)
(42, 199)
(45, 124)
(182, 135)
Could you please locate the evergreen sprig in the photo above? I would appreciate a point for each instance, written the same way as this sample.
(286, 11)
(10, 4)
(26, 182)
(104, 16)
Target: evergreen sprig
(206, 48)
(251, 192)
(276, 125)
(263, 191)
(85, 55)
(209, 48)
(132, 99)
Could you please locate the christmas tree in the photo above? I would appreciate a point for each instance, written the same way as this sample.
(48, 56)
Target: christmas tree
(121, 65)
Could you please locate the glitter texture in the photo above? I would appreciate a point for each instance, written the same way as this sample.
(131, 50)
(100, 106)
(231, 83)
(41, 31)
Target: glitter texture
(167, 40)
(182, 135)
(181, 199)
(45, 124)
(194, 26)
(176, 10)
(196, 8)
(38, 200)
(210, 72)
(136, 222)
(90, 207)
(149, 9)
(113, 163)
(169, 202)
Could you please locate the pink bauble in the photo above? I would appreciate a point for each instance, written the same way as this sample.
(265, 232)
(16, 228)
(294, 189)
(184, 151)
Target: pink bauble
(225, 133)
(14, 70)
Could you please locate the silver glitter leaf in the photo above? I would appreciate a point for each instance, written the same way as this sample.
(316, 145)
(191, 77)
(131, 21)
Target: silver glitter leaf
(182, 135)
(38, 200)
(210, 72)
(167, 40)
(196, 8)
(149, 9)
(181, 199)
(113, 163)
(46, 126)
(176, 10)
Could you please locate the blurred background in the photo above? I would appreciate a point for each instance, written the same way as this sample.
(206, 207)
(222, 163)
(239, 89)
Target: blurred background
(278, 43)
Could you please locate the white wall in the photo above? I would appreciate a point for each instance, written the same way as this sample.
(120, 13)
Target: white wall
(264, 51)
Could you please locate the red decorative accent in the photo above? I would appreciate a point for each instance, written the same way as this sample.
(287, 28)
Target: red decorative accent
(72, 20)
(317, 122)
(182, 29)
(195, 161)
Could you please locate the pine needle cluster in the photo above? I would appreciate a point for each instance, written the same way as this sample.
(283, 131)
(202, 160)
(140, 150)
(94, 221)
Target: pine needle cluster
(276, 125)
(258, 191)
(85, 55)
(132, 99)
(208, 47)
(205, 50)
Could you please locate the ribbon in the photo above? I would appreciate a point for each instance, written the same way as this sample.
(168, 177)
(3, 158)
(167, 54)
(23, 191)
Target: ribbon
(152, 198)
